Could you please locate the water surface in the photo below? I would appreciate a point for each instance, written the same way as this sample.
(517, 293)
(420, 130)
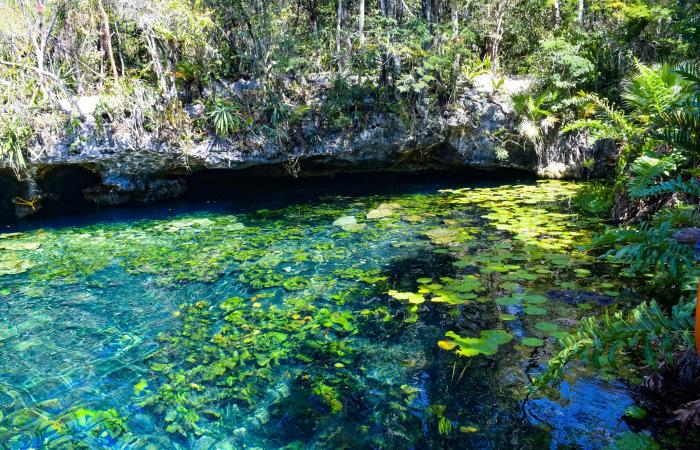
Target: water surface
(414, 318)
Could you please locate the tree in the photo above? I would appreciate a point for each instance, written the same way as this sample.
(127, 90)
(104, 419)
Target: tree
(107, 39)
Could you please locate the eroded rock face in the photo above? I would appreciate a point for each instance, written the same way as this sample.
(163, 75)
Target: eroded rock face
(114, 165)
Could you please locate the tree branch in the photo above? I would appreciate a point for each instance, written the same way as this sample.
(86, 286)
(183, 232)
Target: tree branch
(52, 77)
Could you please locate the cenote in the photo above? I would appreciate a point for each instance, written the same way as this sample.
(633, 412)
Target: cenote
(411, 317)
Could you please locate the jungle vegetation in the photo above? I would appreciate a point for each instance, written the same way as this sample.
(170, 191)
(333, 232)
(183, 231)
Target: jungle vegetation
(621, 70)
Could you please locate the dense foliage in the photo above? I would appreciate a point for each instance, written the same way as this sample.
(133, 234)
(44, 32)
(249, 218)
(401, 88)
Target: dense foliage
(655, 210)
(148, 60)
(614, 68)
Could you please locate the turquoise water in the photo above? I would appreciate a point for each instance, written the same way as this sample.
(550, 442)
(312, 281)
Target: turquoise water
(315, 324)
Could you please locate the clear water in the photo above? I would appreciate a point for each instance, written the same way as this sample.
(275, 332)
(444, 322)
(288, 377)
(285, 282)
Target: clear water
(215, 327)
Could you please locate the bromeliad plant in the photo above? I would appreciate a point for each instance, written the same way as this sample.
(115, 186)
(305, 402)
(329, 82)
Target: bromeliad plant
(225, 117)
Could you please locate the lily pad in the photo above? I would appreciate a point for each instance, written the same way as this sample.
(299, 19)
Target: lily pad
(534, 299)
(535, 311)
(413, 298)
(532, 341)
(547, 327)
(443, 236)
(508, 301)
(486, 344)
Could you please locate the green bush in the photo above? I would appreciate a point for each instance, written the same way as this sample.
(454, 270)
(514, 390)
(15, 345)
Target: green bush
(562, 65)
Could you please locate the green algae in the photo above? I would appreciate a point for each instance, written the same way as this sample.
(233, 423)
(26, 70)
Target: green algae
(313, 298)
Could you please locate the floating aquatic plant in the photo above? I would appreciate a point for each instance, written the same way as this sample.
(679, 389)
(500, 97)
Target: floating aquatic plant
(487, 343)
(290, 309)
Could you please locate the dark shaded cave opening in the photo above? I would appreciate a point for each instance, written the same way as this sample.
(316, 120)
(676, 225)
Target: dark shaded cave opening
(272, 182)
(10, 188)
(63, 188)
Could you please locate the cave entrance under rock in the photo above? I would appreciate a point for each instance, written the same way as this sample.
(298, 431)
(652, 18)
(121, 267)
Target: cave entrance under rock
(63, 189)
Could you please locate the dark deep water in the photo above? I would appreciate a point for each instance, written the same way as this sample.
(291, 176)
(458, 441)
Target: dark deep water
(404, 314)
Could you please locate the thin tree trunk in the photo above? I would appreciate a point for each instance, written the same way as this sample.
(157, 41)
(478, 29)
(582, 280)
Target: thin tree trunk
(557, 13)
(362, 22)
(338, 23)
(119, 42)
(427, 10)
(152, 48)
(495, 48)
(501, 9)
(313, 15)
(40, 38)
(581, 6)
(454, 9)
(107, 39)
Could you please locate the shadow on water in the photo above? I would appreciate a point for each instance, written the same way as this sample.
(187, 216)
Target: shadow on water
(474, 394)
(236, 191)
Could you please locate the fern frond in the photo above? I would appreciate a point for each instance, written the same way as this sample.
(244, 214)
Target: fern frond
(610, 122)
(651, 90)
(646, 247)
(647, 169)
(645, 329)
(691, 187)
(599, 129)
(678, 216)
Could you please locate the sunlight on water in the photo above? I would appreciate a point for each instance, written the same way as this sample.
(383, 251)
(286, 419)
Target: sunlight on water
(408, 320)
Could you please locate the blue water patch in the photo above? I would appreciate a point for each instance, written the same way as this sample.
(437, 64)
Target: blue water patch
(406, 319)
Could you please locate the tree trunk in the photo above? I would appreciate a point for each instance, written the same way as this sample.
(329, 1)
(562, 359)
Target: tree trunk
(557, 13)
(501, 9)
(362, 22)
(581, 7)
(454, 9)
(313, 15)
(107, 39)
(338, 24)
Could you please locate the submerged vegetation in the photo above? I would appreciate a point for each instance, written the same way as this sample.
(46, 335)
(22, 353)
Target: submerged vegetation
(285, 319)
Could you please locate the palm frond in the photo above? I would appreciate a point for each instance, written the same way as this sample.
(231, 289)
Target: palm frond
(646, 329)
